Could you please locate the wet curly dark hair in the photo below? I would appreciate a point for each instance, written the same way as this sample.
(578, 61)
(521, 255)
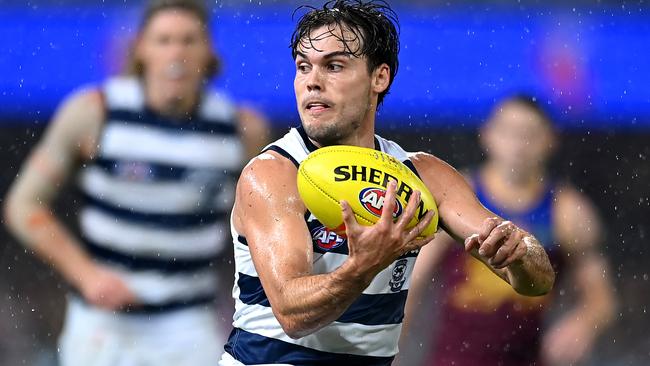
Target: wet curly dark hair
(372, 23)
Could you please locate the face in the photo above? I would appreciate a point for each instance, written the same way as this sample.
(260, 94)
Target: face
(336, 94)
(175, 50)
(517, 138)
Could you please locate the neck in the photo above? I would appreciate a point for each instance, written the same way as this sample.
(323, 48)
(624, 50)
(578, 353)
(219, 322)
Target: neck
(361, 141)
(515, 178)
(513, 190)
(159, 100)
(364, 135)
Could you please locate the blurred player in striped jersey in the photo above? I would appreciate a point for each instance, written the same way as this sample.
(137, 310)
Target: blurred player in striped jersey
(155, 155)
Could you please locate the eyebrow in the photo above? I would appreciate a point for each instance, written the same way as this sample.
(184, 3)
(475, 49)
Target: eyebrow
(329, 55)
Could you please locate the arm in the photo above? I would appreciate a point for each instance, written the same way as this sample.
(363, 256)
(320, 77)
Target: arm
(269, 212)
(70, 138)
(579, 231)
(254, 130)
(426, 265)
(510, 252)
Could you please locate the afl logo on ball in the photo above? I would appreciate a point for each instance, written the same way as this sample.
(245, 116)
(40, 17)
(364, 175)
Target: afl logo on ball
(326, 239)
(372, 199)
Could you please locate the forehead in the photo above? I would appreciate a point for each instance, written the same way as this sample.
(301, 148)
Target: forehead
(518, 116)
(173, 19)
(329, 38)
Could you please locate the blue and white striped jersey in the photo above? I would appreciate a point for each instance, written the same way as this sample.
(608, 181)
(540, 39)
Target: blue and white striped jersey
(366, 333)
(157, 195)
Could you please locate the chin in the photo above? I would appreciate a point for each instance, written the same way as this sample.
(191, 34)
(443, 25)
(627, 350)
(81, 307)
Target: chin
(325, 134)
(178, 95)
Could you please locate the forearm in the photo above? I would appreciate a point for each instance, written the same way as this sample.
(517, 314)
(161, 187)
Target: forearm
(311, 302)
(37, 228)
(532, 275)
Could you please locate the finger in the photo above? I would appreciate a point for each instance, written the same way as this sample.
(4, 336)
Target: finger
(420, 242)
(490, 245)
(505, 250)
(471, 243)
(389, 202)
(409, 212)
(416, 244)
(520, 250)
(421, 226)
(349, 221)
(488, 225)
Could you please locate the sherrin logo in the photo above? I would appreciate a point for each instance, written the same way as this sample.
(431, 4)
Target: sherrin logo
(335, 173)
(372, 199)
(326, 239)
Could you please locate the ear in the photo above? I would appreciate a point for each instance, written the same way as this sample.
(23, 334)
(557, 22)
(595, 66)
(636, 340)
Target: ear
(138, 48)
(380, 78)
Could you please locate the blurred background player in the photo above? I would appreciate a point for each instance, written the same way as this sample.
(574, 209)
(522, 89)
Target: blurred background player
(481, 321)
(155, 155)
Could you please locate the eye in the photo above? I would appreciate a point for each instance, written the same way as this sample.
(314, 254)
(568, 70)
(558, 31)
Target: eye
(163, 40)
(190, 40)
(334, 67)
(303, 67)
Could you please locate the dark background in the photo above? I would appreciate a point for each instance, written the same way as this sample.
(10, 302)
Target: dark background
(587, 63)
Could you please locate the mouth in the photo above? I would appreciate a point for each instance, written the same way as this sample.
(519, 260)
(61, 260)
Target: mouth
(176, 71)
(316, 105)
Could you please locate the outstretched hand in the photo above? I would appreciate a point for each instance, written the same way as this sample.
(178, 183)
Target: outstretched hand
(373, 248)
(500, 242)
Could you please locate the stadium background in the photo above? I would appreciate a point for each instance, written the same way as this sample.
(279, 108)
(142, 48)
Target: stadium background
(587, 62)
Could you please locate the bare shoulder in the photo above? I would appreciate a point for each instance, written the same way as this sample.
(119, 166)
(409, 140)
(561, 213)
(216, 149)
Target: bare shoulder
(77, 122)
(254, 129)
(268, 170)
(249, 116)
(576, 219)
(84, 105)
(267, 185)
(570, 199)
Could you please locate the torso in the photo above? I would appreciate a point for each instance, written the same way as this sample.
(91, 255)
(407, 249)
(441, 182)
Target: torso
(157, 194)
(366, 333)
(483, 320)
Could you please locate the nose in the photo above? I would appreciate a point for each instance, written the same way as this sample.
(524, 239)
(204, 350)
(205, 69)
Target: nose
(314, 80)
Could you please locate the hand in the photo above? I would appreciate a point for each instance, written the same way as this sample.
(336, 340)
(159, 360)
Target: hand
(500, 242)
(375, 247)
(568, 341)
(105, 289)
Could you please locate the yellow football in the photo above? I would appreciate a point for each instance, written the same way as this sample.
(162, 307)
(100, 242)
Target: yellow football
(360, 176)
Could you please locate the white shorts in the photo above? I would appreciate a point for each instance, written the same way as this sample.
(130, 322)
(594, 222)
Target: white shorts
(95, 337)
(228, 360)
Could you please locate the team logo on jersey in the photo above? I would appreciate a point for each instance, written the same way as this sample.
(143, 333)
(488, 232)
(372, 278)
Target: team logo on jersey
(372, 199)
(326, 239)
(398, 276)
(138, 171)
